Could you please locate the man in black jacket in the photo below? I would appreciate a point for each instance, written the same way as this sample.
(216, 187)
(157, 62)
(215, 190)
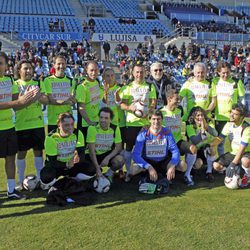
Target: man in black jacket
(161, 82)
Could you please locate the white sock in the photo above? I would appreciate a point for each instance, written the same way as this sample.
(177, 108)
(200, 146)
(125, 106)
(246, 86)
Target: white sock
(190, 160)
(247, 170)
(128, 159)
(210, 160)
(21, 165)
(82, 177)
(11, 185)
(38, 161)
(110, 172)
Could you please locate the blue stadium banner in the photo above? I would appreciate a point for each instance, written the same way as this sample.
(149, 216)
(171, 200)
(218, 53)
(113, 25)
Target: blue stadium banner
(53, 36)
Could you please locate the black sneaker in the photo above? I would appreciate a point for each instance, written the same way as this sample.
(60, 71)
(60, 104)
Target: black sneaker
(16, 195)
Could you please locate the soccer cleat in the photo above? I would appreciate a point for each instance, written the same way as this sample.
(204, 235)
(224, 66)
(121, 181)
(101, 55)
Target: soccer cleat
(210, 177)
(189, 181)
(109, 177)
(245, 181)
(16, 195)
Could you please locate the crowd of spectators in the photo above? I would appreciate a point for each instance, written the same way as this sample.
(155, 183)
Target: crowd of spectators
(56, 25)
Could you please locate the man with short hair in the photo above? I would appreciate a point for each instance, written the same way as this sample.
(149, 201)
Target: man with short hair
(61, 92)
(197, 91)
(161, 83)
(105, 144)
(106, 48)
(155, 149)
(88, 96)
(137, 92)
(238, 132)
(8, 136)
(65, 153)
(226, 92)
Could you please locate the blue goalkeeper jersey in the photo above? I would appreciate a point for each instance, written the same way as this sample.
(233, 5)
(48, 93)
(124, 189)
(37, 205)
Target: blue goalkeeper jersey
(155, 147)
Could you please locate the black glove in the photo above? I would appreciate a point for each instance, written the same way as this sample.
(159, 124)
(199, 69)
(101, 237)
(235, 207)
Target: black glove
(231, 170)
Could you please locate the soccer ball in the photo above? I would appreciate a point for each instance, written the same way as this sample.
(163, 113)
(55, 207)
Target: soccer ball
(232, 183)
(101, 185)
(31, 182)
(139, 109)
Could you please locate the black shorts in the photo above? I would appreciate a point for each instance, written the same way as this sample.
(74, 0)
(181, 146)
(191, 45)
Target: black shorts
(31, 138)
(100, 158)
(131, 134)
(160, 166)
(50, 173)
(227, 158)
(51, 128)
(8, 140)
(84, 131)
(219, 125)
(184, 147)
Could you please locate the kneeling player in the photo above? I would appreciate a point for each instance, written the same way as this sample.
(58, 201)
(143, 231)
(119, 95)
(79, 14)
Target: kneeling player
(201, 133)
(155, 149)
(238, 132)
(105, 144)
(64, 149)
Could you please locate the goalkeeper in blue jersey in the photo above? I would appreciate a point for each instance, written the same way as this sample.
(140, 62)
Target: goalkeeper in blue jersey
(155, 150)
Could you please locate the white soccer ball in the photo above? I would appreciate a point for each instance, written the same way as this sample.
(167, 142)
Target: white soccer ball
(101, 185)
(232, 183)
(139, 109)
(31, 182)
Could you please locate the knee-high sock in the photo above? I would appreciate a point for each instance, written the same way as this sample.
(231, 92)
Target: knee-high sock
(21, 165)
(38, 161)
(210, 160)
(190, 160)
(128, 158)
(11, 185)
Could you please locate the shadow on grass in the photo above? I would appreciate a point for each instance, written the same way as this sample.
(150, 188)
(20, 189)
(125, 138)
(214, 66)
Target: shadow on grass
(121, 193)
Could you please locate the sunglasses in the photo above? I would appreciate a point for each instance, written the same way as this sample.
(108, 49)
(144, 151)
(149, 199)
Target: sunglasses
(160, 70)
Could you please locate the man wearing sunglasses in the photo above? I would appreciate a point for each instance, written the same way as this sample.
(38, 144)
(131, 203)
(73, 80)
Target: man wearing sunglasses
(161, 83)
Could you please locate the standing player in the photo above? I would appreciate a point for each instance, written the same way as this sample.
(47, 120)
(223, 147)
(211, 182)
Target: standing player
(29, 122)
(137, 92)
(60, 90)
(197, 91)
(88, 97)
(238, 132)
(105, 144)
(155, 149)
(8, 136)
(109, 93)
(65, 153)
(226, 92)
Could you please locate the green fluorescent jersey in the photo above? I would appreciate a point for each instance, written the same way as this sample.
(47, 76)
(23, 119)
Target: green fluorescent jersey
(133, 93)
(31, 116)
(226, 93)
(237, 135)
(119, 115)
(173, 121)
(7, 88)
(60, 89)
(103, 139)
(89, 94)
(196, 94)
(63, 147)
